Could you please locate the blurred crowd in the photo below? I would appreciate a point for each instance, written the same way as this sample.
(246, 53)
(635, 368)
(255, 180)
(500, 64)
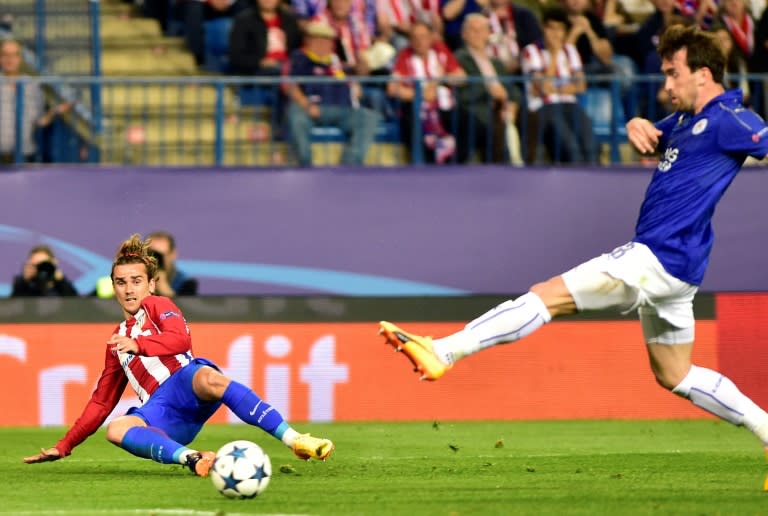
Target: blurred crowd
(458, 70)
(506, 78)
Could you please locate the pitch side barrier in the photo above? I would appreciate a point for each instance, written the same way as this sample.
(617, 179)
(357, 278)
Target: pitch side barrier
(320, 359)
(405, 231)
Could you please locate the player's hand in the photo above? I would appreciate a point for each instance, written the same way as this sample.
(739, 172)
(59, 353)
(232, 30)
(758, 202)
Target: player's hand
(498, 91)
(48, 455)
(643, 135)
(123, 344)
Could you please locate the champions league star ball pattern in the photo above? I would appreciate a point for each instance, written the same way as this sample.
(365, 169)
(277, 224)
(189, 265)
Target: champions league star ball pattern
(241, 470)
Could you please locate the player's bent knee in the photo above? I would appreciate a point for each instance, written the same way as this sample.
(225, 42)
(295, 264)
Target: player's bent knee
(209, 384)
(665, 382)
(117, 428)
(114, 434)
(671, 377)
(555, 296)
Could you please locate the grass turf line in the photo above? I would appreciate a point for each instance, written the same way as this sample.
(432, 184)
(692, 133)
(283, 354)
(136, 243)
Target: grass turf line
(444, 468)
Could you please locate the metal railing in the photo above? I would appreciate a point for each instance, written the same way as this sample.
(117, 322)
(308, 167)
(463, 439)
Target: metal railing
(222, 121)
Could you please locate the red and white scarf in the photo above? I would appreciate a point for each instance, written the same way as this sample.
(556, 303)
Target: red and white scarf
(743, 33)
(504, 35)
(352, 33)
(411, 10)
(432, 67)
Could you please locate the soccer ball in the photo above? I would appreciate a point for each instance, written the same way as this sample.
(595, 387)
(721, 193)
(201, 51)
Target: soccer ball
(241, 470)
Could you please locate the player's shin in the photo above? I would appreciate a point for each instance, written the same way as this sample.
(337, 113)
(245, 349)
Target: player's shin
(507, 322)
(253, 410)
(718, 395)
(152, 443)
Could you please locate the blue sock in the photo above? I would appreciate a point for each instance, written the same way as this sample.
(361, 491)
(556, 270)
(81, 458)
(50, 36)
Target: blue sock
(253, 410)
(152, 443)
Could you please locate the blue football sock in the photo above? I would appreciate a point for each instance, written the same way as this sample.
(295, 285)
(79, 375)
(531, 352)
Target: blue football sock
(253, 410)
(152, 443)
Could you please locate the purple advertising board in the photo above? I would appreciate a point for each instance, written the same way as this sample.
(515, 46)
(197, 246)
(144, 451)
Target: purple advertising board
(372, 231)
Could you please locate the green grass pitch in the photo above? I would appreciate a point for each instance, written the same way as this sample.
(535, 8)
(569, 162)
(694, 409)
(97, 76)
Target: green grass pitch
(442, 468)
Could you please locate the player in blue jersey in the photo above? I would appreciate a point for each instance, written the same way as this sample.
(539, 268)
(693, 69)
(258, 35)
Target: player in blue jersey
(702, 147)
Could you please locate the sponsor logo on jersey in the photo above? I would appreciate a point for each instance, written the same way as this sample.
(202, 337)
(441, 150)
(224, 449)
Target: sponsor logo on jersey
(670, 156)
(169, 313)
(699, 127)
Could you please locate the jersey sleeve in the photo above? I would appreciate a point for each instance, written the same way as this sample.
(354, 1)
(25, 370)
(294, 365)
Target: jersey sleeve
(743, 132)
(108, 390)
(172, 335)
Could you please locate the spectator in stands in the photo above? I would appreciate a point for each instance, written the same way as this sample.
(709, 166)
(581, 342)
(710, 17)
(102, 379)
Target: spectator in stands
(454, 12)
(617, 20)
(34, 116)
(647, 37)
(556, 119)
(171, 281)
(262, 37)
(431, 62)
(653, 102)
(513, 27)
(196, 13)
(703, 12)
(166, 12)
(305, 10)
(6, 22)
(485, 107)
(590, 37)
(325, 103)
(365, 10)
(41, 276)
(759, 61)
(397, 16)
(735, 63)
(736, 19)
(354, 40)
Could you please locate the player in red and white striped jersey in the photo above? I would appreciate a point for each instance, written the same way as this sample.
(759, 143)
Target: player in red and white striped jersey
(152, 350)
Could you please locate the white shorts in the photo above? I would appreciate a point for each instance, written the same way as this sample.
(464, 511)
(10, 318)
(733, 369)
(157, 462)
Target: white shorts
(632, 277)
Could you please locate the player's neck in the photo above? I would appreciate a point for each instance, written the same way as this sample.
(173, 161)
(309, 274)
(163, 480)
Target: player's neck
(707, 94)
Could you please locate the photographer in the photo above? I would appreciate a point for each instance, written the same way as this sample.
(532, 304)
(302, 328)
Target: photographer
(41, 276)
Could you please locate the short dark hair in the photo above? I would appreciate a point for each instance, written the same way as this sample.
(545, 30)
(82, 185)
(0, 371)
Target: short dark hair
(703, 49)
(555, 14)
(42, 248)
(165, 236)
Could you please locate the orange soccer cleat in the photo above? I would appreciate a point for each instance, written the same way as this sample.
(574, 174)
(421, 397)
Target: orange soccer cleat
(418, 349)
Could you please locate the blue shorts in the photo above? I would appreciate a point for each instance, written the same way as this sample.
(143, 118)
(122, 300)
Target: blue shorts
(174, 408)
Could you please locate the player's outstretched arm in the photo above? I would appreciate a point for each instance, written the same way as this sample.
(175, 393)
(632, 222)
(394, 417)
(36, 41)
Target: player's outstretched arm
(44, 456)
(643, 135)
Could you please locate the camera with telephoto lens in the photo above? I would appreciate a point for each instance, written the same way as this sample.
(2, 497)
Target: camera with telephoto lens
(159, 258)
(45, 272)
